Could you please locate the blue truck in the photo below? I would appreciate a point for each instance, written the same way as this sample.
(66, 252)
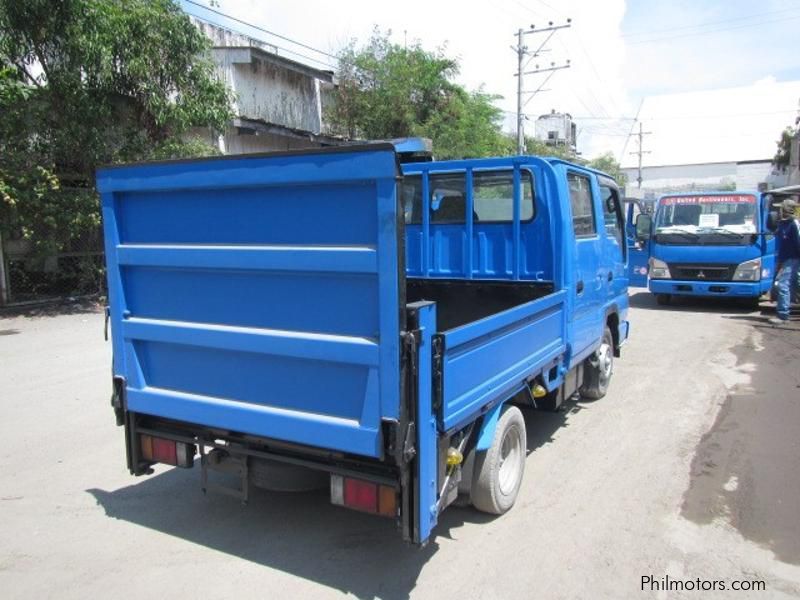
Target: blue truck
(337, 313)
(713, 244)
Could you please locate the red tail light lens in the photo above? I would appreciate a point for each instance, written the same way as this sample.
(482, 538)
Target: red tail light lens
(164, 451)
(363, 495)
(169, 452)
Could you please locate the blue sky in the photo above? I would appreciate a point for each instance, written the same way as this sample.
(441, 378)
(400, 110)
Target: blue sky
(683, 45)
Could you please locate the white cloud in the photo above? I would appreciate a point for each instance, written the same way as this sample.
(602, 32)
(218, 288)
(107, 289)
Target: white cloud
(729, 124)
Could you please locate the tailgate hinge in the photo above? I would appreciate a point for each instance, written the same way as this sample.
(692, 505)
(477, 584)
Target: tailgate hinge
(438, 360)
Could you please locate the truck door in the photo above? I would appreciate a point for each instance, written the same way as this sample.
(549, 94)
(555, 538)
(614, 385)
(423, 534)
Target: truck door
(638, 252)
(767, 241)
(614, 242)
(588, 287)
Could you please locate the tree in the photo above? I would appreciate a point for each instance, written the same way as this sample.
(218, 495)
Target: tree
(538, 147)
(90, 82)
(388, 91)
(783, 154)
(608, 164)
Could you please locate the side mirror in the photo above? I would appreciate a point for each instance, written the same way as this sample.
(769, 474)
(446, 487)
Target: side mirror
(643, 223)
(772, 220)
(611, 205)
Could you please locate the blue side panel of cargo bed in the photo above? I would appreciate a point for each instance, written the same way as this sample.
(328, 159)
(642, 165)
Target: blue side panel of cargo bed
(259, 294)
(485, 361)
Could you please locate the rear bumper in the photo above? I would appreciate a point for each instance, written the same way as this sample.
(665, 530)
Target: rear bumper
(729, 289)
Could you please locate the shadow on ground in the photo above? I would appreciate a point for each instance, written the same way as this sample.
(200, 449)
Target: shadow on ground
(301, 534)
(647, 301)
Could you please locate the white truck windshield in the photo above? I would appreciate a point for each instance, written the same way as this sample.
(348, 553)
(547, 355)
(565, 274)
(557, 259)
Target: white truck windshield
(699, 214)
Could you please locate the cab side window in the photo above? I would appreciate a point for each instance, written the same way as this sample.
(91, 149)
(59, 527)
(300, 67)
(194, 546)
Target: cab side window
(611, 214)
(580, 196)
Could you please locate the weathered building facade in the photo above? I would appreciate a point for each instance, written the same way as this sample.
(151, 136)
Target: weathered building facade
(277, 100)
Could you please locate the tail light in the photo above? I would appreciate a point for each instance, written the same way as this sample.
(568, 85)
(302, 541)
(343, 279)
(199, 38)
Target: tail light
(169, 452)
(365, 496)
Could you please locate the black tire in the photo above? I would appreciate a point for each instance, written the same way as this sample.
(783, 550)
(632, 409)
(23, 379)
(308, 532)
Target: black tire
(598, 369)
(499, 470)
(663, 299)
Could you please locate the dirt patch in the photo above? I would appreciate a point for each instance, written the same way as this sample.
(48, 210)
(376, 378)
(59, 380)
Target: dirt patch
(745, 469)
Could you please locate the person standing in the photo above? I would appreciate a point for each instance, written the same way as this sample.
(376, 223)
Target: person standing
(787, 238)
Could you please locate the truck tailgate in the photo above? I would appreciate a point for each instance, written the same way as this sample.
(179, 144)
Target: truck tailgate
(259, 294)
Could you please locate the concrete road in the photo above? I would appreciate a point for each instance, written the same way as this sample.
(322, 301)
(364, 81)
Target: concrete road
(688, 469)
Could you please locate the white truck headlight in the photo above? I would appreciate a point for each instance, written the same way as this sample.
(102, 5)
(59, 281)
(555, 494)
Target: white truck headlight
(659, 269)
(748, 271)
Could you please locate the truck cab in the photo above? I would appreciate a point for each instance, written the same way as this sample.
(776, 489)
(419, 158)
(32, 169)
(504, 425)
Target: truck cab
(712, 244)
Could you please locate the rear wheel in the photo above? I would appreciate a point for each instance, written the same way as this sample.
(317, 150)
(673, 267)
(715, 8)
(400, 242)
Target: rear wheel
(663, 299)
(499, 470)
(598, 369)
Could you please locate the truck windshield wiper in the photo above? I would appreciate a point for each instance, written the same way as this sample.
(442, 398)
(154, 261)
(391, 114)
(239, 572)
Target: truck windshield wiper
(687, 234)
(726, 231)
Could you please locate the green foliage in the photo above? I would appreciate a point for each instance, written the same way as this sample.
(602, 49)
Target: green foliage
(783, 154)
(91, 82)
(538, 147)
(388, 91)
(608, 164)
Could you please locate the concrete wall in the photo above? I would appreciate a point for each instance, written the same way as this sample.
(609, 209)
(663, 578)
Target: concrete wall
(269, 92)
(750, 174)
(266, 88)
(262, 142)
(676, 177)
(235, 142)
(673, 178)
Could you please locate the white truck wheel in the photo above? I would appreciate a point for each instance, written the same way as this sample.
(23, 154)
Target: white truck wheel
(498, 470)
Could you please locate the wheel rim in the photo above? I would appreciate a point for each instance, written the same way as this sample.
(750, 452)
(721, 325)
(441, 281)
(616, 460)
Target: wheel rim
(605, 360)
(510, 459)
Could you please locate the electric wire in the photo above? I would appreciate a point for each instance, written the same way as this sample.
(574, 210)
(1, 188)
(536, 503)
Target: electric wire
(272, 33)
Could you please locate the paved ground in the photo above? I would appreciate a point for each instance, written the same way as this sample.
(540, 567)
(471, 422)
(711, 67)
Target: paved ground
(687, 469)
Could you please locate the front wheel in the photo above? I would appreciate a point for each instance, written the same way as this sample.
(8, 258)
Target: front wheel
(499, 470)
(598, 368)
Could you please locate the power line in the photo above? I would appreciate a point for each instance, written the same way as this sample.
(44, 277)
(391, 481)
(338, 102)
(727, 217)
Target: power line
(719, 30)
(627, 139)
(641, 151)
(682, 117)
(272, 33)
(522, 53)
(707, 24)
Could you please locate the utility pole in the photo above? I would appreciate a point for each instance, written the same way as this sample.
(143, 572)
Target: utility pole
(641, 151)
(522, 53)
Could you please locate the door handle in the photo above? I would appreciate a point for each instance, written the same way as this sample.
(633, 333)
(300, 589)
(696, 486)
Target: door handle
(610, 276)
(579, 286)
